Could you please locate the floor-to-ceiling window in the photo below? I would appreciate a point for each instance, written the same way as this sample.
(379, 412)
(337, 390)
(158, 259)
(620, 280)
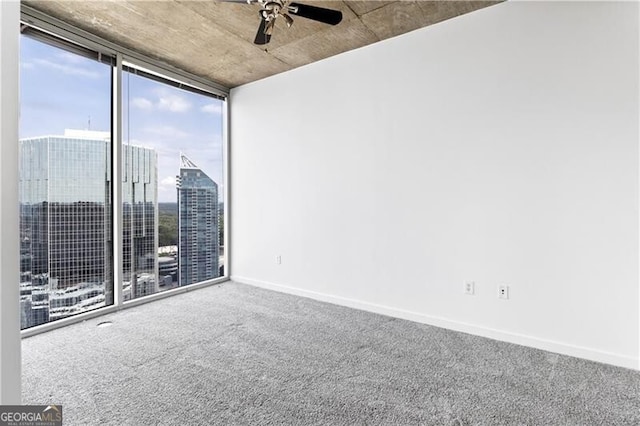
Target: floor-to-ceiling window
(87, 121)
(64, 181)
(173, 205)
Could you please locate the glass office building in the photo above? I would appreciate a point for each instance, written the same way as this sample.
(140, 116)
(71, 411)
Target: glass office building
(139, 222)
(198, 218)
(65, 224)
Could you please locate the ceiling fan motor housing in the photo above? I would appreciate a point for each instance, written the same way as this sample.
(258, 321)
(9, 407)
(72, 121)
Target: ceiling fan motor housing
(271, 9)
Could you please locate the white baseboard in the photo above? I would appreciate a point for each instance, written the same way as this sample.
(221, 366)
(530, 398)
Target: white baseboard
(520, 339)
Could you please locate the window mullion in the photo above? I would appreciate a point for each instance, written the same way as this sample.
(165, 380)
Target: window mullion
(116, 165)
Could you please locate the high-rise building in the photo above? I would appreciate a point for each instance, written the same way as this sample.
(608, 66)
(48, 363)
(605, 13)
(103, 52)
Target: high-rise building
(139, 222)
(197, 224)
(65, 224)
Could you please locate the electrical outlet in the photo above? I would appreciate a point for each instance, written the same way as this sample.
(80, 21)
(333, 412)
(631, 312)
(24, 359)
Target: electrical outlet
(278, 260)
(503, 292)
(469, 288)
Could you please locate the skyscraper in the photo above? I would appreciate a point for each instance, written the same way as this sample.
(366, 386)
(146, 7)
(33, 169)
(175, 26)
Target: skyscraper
(139, 221)
(197, 224)
(65, 223)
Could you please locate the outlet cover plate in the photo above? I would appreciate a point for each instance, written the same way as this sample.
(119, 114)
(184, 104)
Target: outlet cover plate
(469, 288)
(503, 292)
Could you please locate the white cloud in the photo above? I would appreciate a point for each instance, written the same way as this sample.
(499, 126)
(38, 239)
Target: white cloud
(168, 181)
(66, 69)
(173, 103)
(167, 188)
(214, 108)
(142, 103)
(71, 58)
(164, 100)
(27, 65)
(167, 132)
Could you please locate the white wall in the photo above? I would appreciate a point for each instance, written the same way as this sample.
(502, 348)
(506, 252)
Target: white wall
(499, 147)
(9, 239)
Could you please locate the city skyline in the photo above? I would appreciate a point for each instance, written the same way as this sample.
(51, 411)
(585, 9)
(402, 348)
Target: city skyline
(66, 152)
(60, 90)
(65, 225)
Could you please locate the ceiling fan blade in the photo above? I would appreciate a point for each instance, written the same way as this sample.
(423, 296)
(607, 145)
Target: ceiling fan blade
(261, 36)
(288, 19)
(320, 14)
(268, 29)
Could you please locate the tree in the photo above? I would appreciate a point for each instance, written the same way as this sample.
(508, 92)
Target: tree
(167, 229)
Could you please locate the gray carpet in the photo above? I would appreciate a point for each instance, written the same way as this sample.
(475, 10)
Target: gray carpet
(234, 354)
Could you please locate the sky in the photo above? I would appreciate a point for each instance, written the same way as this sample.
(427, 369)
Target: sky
(60, 90)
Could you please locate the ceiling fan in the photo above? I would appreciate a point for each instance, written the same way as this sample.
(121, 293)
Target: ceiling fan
(270, 10)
